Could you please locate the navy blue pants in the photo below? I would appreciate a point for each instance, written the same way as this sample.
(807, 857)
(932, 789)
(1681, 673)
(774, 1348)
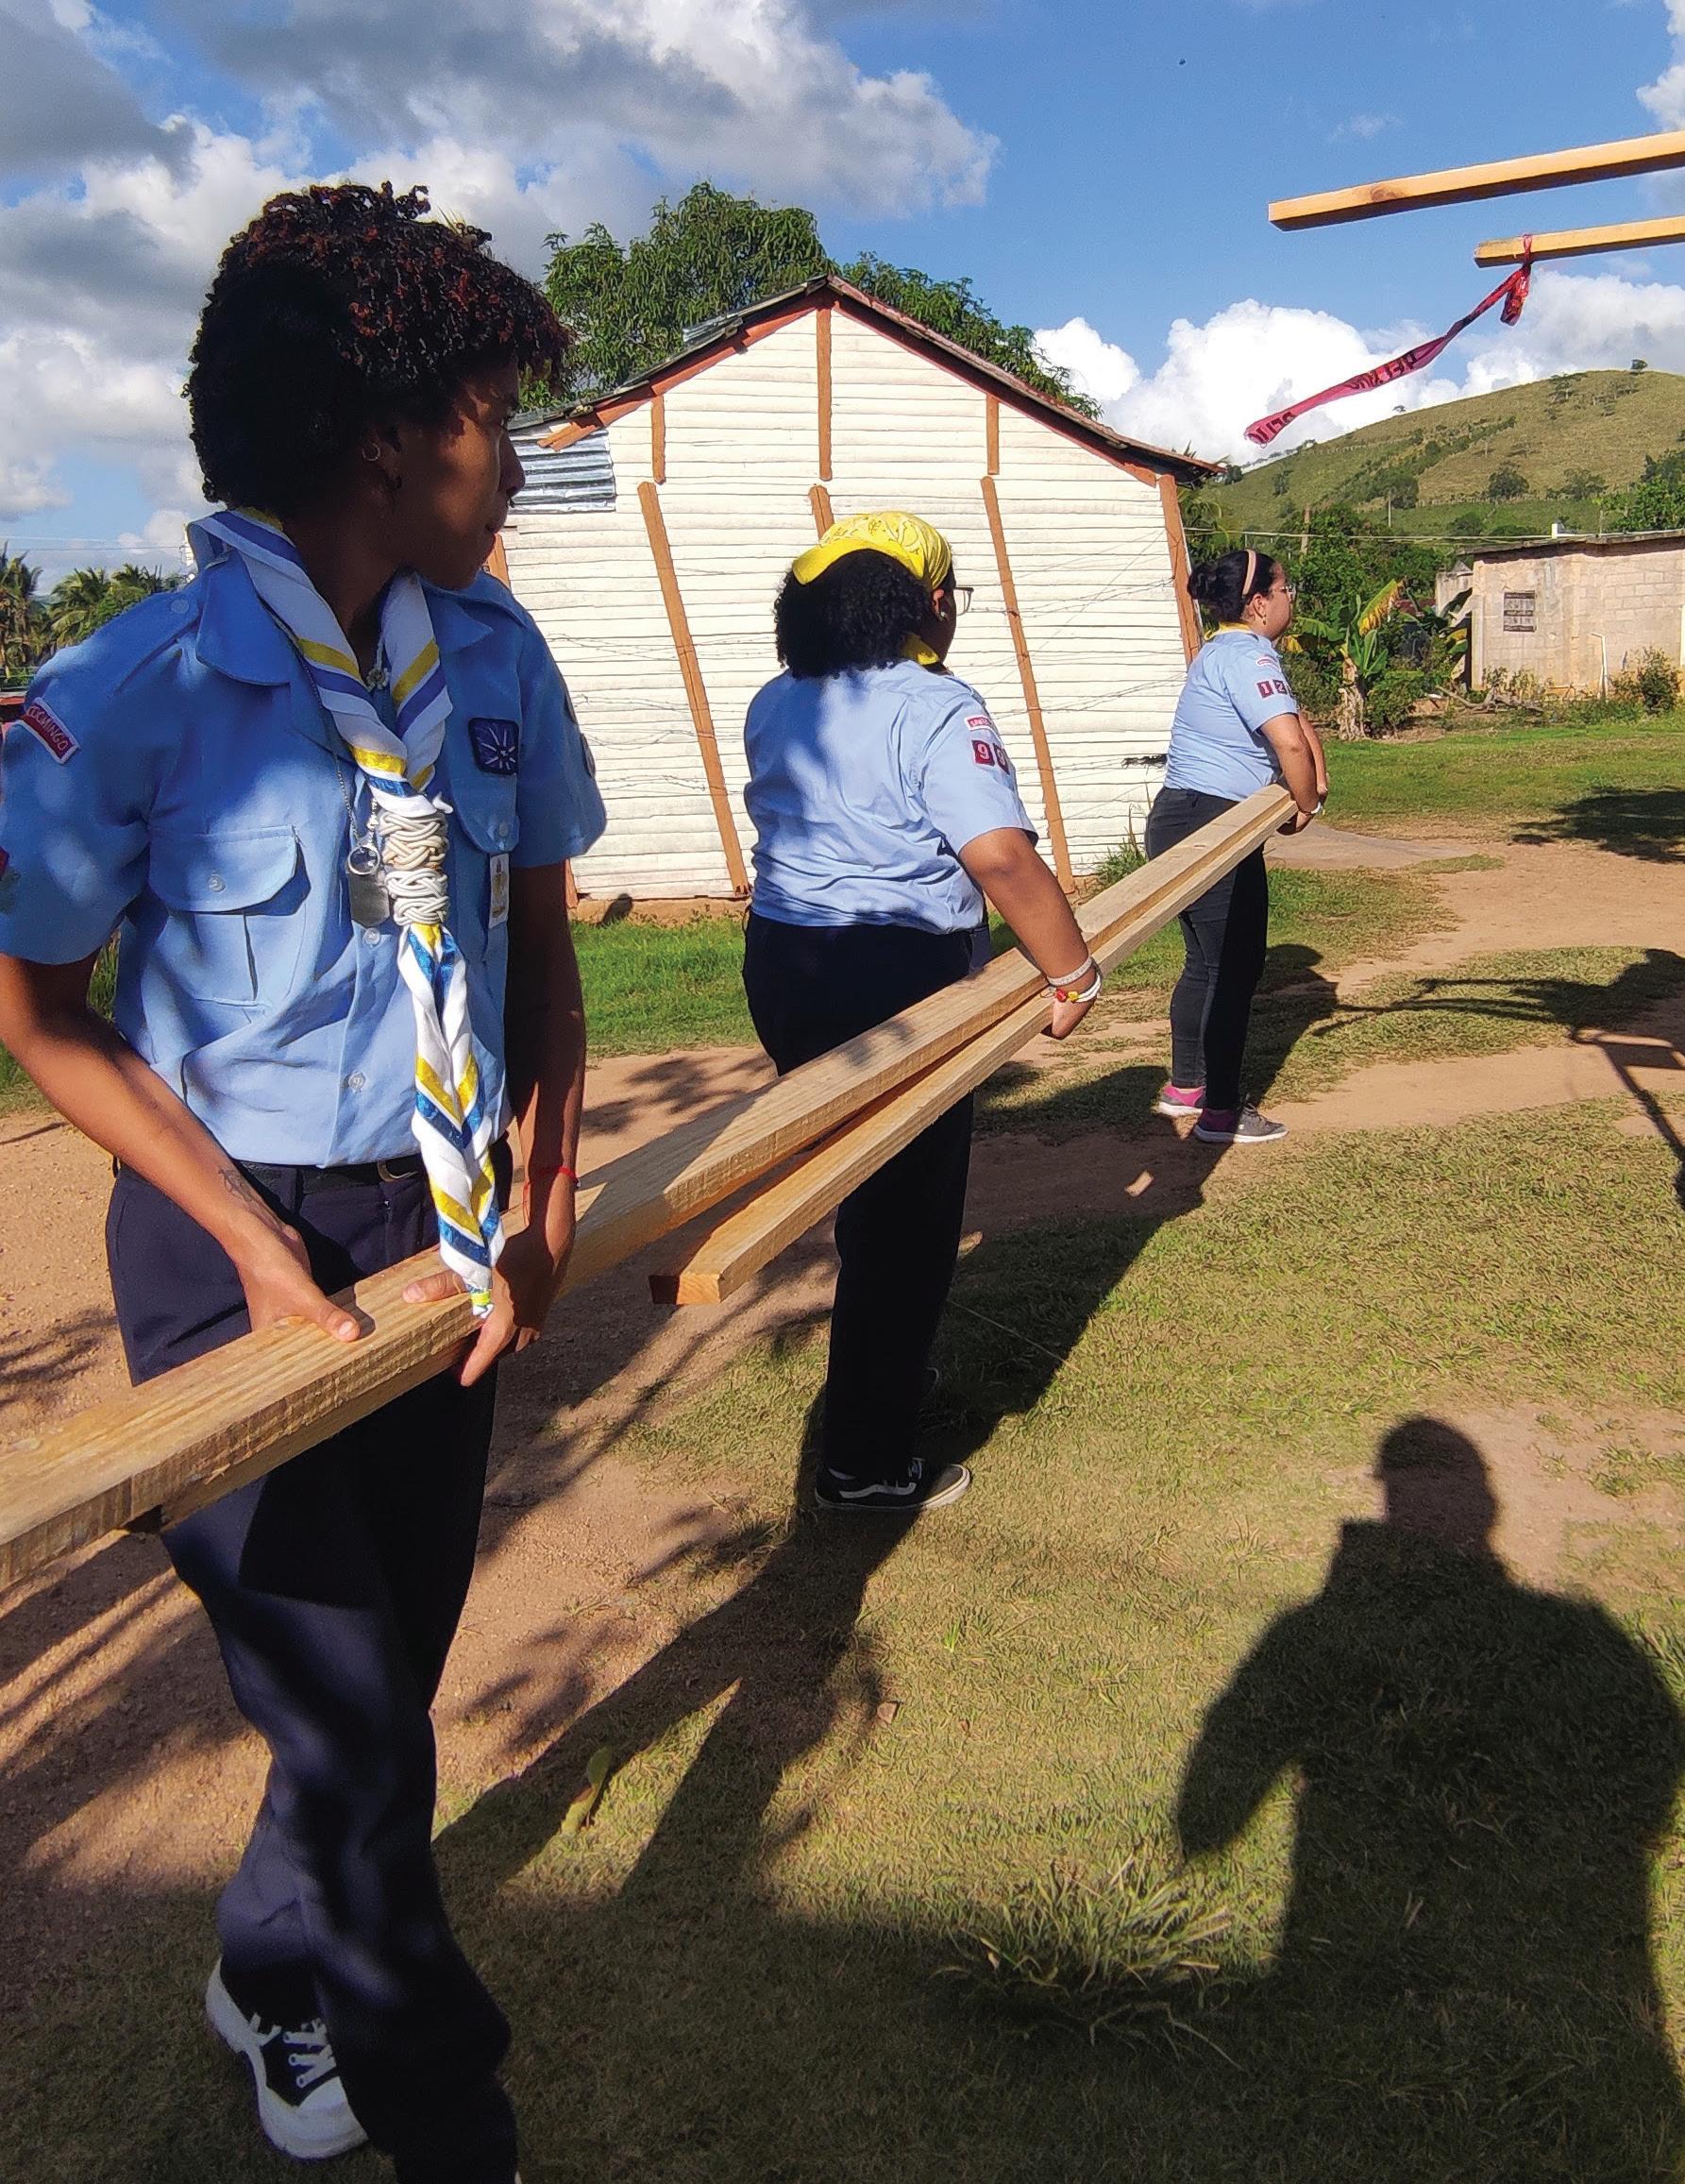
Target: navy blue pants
(811, 987)
(334, 1586)
(1225, 938)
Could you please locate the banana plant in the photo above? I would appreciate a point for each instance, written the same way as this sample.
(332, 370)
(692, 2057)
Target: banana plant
(1357, 638)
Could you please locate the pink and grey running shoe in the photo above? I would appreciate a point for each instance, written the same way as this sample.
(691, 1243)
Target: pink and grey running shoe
(1174, 1101)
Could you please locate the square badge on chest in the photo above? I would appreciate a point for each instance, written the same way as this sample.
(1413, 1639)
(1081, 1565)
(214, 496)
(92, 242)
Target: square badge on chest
(497, 745)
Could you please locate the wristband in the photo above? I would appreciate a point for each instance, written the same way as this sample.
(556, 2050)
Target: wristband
(1063, 990)
(549, 1168)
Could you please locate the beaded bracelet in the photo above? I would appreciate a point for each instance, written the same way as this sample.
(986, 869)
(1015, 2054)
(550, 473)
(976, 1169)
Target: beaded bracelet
(1067, 988)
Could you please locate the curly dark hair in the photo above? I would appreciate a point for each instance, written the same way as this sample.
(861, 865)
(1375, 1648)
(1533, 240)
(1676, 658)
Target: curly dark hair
(858, 613)
(339, 308)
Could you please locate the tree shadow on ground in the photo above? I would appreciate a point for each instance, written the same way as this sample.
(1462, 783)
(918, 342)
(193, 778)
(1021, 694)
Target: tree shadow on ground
(1461, 1987)
(1628, 822)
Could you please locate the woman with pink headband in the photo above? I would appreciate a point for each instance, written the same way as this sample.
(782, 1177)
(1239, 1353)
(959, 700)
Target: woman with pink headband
(1237, 728)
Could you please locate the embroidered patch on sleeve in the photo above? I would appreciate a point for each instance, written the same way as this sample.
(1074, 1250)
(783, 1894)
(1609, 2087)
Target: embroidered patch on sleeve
(1266, 691)
(983, 750)
(497, 745)
(48, 730)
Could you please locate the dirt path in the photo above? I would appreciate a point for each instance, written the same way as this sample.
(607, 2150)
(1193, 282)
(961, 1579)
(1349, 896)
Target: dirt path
(119, 1758)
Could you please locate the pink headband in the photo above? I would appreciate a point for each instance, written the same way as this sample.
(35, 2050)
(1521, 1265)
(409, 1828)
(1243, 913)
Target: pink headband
(1252, 570)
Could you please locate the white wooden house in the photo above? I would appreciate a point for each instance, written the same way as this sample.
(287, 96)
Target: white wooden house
(658, 522)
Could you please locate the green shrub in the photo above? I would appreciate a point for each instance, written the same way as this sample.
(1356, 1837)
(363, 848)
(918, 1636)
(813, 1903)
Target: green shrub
(1393, 698)
(1651, 683)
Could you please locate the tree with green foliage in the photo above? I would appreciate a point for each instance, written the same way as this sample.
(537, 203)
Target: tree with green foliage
(20, 618)
(87, 598)
(1657, 502)
(1507, 483)
(1585, 485)
(712, 254)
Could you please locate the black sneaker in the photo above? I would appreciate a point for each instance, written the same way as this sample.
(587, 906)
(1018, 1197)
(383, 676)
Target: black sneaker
(301, 2104)
(1237, 1127)
(909, 1494)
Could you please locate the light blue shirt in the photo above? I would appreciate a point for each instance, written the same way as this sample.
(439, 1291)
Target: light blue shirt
(1235, 685)
(865, 787)
(176, 780)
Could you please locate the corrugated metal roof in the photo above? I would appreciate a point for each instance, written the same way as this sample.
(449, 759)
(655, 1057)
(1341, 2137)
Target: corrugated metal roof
(581, 477)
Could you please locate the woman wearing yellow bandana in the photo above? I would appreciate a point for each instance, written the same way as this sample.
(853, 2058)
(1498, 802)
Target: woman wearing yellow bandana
(886, 811)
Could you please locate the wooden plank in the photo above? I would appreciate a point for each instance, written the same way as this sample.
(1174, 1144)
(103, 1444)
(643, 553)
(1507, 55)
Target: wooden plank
(1495, 179)
(696, 690)
(820, 501)
(991, 434)
(658, 439)
(1188, 613)
(209, 1426)
(1581, 242)
(749, 1238)
(822, 359)
(1044, 754)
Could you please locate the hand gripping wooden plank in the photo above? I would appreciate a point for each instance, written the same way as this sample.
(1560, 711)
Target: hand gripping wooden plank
(821, 1179)
(160, 1450)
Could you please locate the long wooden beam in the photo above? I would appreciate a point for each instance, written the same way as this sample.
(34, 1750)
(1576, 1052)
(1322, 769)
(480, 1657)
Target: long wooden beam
(1495, 179)
(154, 1452)
(1580, 242)
(749, 1238)
(1026, 674)
(695, 689)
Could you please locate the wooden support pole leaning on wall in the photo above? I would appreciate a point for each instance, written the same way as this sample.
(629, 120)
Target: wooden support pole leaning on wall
(991, 434)
(157, 1451)
(820, 501)
(690, 668)
(496, 562)
(658, 439)
(822, 361)
(1580, 242)
(1188, 613)
(822, 1178)
(1495, 178)
(1044, 757)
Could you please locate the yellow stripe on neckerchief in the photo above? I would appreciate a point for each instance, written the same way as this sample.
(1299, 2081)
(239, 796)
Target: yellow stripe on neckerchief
(453, 1128)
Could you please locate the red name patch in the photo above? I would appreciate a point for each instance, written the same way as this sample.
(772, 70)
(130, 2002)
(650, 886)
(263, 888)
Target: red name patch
(981, 751)
(1266, 691)
(48, 730)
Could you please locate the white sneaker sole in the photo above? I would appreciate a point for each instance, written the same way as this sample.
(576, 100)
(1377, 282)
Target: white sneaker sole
(294, 2131)
(1175, 1112)
(1227, 1138)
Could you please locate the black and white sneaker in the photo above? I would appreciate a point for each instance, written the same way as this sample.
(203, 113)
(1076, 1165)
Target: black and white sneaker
(301, 2104)
(909, 1494)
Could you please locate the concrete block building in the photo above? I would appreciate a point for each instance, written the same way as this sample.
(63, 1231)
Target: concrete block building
(1572, 611)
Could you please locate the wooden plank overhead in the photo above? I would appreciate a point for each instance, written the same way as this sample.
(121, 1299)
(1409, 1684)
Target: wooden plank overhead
(1581, 242)
(1494, 179)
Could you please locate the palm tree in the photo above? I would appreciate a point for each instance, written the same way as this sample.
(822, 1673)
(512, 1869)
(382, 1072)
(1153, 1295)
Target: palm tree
(77, 604)
(87, 598)
(20, 618)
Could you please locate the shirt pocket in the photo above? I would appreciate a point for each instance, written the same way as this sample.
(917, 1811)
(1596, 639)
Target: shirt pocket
(234, 933)
(487, 825)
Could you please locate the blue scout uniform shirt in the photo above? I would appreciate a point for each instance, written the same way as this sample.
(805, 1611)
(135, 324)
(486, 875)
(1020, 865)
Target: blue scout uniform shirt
(864, 789)
(1236, 683)
(176, 776)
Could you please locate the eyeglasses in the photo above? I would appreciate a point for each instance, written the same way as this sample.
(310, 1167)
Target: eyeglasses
(962, 596)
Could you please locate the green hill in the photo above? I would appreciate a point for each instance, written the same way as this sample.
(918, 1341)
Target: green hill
(1566, 443)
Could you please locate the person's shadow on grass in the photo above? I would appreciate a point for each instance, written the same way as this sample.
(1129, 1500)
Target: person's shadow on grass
(1483, 1774)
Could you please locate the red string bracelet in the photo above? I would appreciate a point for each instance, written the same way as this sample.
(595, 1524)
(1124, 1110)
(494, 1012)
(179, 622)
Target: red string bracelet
(542, 1173)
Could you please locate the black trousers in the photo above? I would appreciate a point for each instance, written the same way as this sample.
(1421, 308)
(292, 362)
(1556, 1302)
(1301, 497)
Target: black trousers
(1227, 937)
(334, 1586)
(810, 989)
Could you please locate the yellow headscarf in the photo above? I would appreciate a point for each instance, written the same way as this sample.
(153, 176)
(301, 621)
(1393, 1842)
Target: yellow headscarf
(916, 545)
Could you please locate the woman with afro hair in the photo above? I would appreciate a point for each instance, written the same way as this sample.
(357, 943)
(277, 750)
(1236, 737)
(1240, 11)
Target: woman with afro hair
(325, 795)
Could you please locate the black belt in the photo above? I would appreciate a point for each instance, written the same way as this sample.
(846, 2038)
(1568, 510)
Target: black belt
(343, 1177)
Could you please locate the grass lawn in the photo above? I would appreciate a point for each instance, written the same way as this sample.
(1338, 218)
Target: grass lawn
(1617, 785)
(1158, 1814)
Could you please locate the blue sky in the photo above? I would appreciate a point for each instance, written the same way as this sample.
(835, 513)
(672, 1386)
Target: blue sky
(1101, 172)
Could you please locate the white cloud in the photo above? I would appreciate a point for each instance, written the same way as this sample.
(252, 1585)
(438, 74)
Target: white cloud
(1254, 358)
(1364, 127)
(1665, 97)
(524, 116)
